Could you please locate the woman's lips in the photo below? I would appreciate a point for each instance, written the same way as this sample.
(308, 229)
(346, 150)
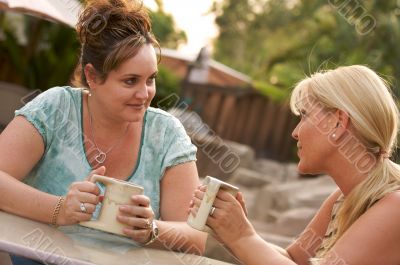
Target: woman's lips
(136, 106)
(298, 150)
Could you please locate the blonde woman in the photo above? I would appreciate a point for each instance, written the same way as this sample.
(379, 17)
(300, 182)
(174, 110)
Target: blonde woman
(348, 130)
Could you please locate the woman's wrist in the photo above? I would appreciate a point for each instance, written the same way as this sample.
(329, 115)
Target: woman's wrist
(245, 240)
(56, 211)
(153, 234)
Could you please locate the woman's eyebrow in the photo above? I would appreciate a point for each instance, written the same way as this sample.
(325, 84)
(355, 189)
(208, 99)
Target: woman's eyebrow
(131, 75)
(137, 75)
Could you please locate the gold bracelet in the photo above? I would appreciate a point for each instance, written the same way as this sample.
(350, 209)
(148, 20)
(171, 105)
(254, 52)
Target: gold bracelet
(56, 211)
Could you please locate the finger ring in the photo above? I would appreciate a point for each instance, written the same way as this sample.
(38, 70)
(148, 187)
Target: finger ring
(148, 224)
(212, 211)
(82, 207)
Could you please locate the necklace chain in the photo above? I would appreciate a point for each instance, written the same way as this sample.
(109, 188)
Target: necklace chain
(102, 156)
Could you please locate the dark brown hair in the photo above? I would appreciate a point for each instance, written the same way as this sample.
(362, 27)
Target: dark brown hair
(110, 32)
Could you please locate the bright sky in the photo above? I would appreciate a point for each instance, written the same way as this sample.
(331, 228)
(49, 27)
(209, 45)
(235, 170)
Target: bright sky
(191, 16)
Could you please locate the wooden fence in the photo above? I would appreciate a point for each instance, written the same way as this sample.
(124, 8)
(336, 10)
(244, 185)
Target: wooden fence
(245, 116)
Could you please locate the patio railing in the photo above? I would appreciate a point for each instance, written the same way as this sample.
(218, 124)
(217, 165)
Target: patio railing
(245, 116)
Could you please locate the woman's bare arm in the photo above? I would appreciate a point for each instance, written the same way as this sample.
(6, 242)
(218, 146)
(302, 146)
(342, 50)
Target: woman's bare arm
(21, 147)
(177, 187)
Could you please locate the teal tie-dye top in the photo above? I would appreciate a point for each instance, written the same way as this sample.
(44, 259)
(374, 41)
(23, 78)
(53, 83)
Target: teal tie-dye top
(57, 115)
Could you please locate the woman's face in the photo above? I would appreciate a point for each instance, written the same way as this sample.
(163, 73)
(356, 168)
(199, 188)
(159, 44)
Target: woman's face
(128, 90)
(312, 134)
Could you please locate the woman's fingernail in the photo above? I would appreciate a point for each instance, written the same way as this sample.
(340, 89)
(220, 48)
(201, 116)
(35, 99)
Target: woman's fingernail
(123, 208)
(101, 198)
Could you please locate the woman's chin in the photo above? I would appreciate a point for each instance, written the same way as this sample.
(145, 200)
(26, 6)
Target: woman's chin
(135, 116)
(303, 168)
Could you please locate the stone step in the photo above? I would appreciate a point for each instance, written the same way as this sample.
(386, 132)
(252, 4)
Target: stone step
(296, 194)
(250, 178)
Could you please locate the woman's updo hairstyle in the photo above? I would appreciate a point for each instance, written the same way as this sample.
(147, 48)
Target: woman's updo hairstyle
(110, 32)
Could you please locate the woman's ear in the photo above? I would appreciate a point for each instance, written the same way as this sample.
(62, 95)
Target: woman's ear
(343, 119)
(343, 123)
(90, 74)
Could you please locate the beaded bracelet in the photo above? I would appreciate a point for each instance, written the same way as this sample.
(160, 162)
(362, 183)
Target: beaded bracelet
(56, 211)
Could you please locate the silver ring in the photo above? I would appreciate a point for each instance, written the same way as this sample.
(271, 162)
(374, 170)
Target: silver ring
(82, 207)
(212, 211)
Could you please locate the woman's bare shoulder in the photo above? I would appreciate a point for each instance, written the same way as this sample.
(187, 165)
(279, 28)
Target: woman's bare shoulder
(376, 234)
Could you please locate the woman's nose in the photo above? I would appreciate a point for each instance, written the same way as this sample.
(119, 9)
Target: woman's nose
(143, 93)
(295, 132)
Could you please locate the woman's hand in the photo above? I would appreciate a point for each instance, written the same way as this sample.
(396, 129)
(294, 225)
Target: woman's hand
(229, 219)
(138, 216)
(80, 201)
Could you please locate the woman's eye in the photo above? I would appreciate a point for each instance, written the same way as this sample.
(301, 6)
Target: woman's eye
(130, 81)
(303, 114)
(151, 80)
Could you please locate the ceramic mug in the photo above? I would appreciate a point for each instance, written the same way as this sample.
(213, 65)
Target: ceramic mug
(213, 186)
(118, 192)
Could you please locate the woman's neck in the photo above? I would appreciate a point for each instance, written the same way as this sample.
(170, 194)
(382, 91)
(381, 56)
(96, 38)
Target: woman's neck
(102, 124)
(347, 176)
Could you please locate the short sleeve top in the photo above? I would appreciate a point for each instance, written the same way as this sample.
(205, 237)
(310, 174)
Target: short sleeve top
(57, 115)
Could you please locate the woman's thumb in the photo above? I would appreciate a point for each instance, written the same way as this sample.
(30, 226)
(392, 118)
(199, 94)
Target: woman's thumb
(240, 199)
(98, 171)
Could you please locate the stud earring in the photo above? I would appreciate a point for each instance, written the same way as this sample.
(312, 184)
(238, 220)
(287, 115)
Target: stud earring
(89, 89)
(334, 135)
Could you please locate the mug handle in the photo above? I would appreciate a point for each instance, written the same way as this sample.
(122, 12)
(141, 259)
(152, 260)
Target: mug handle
(102, 179)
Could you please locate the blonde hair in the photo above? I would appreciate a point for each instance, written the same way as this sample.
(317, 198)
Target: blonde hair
(374, 116)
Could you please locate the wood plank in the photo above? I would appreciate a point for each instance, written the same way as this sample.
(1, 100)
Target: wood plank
(211, 109)
(260, 135)
(233, 118)
(262, 101)
(243, 109)
(227, 108)
(266, 130)
(279, 132)
(253, 119)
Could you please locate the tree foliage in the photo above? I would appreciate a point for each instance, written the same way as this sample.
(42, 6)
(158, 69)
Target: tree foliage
(278, 42)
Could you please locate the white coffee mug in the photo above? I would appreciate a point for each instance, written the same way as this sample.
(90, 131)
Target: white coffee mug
(213, 186)
(118, 192)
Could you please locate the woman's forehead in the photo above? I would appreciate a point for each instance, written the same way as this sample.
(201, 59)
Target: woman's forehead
(143, 63)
